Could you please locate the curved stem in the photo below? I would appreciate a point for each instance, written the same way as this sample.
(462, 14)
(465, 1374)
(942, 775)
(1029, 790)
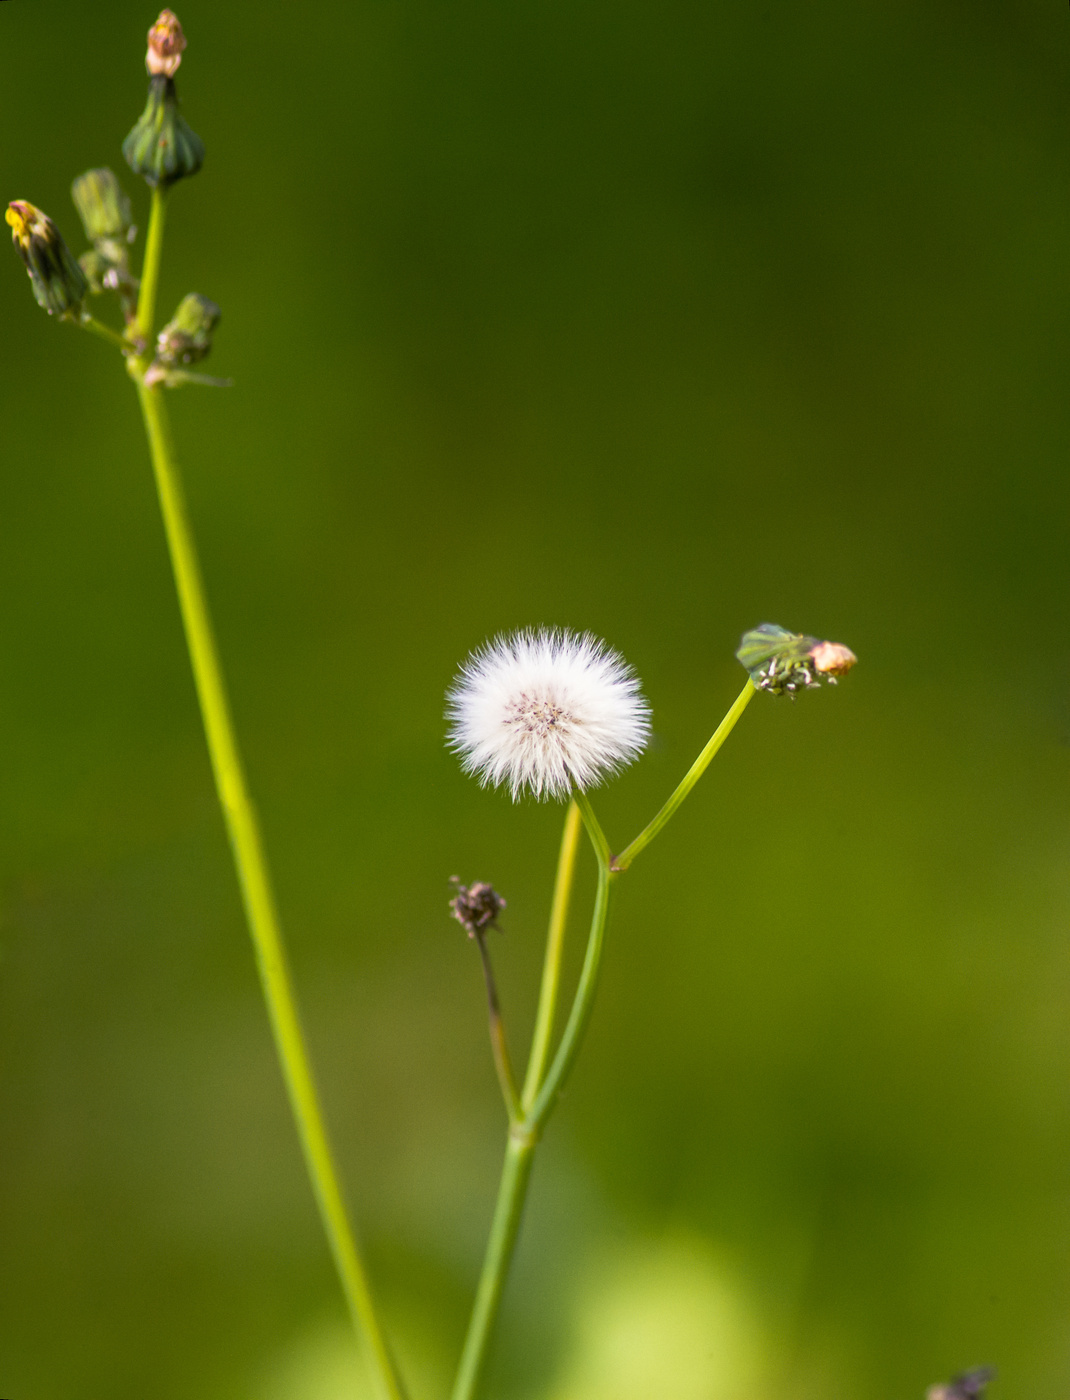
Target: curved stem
(252, 869)
(594, 829)
(551, 970)
(695, 772)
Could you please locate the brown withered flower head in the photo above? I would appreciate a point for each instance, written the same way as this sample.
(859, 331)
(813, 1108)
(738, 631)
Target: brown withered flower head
(970, 1385)
(166, 42)
(476, 906)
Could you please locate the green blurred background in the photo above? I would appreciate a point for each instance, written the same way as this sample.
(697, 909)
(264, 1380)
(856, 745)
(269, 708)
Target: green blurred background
(658, 320)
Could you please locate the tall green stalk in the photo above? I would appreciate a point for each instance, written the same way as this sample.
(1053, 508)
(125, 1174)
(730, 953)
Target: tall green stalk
(246, 844)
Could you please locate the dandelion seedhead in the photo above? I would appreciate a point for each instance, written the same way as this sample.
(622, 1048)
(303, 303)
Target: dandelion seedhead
(476, 907)
(547, 711)
(783, 662)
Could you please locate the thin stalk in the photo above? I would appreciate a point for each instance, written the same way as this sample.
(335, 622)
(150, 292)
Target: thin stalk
(150, 272)
(257, 895)
(524, 1135)
(576, 1025)
(695, 772)
(551, 970)
(95, 327)
(594, 830)
(512, 1192)
(503, 1065)
(247, 847)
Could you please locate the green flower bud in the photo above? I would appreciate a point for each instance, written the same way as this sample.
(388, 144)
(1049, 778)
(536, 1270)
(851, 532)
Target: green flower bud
(783, 662)
(59, 284)
(187, 337)
(102, 206)
(162, 147)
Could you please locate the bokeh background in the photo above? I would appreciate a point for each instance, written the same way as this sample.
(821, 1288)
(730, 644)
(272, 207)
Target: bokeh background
(658, 320)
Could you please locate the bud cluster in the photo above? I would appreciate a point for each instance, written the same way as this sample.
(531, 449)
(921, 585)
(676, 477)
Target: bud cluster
(162, 148)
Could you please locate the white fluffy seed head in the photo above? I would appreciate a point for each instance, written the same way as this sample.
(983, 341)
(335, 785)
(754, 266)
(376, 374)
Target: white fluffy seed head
(546, 710)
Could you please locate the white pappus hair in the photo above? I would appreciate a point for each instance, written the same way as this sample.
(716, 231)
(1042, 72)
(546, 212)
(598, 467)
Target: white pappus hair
(547, 711)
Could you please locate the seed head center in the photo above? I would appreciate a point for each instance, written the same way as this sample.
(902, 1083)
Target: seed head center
(537, 716)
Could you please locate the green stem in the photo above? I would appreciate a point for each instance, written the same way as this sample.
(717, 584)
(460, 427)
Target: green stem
(499, 1045)
(523, 1136)
(551, 970)
(249, 858)
(91, 324)
(695, 772)
(576, 1025)
(150, 272)
(512, 1192)
(594, 830)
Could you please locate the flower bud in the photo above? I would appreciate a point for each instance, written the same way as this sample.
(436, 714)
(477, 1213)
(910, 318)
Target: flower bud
(59, 284)
(102, 206)
(187, 337)
(166, 42)
(783, 662)
(162, 147)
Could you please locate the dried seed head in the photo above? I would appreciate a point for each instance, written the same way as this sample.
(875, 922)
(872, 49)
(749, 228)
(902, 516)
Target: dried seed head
(59, 284)
(970, 1385)
(476, 906)
(166, 42)
(783, 662)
